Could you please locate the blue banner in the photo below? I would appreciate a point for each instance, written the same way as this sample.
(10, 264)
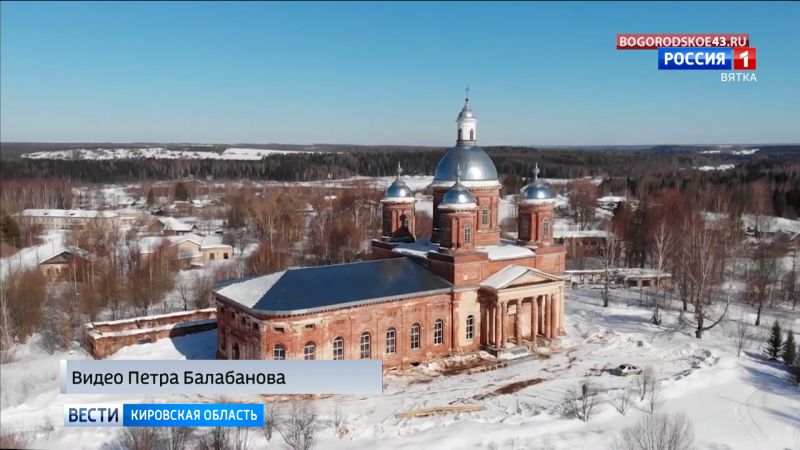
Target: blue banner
(711, 58)
(192, 415)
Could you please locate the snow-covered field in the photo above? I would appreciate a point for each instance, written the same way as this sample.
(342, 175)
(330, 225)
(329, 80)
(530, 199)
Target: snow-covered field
(233, 153)
(733, 402)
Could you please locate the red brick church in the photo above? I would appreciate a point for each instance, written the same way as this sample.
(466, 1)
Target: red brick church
(463, 290)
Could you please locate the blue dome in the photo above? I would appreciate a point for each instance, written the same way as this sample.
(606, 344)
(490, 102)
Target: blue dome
(536, 190)
(474, 162)
(398, 189)
(457, 195)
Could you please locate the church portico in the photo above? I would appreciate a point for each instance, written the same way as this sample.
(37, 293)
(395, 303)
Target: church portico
(520, 306)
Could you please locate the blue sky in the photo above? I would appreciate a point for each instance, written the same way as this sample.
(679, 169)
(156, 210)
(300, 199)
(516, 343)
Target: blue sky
(386, 73)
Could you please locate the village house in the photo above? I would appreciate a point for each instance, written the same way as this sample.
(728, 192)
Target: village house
(68, 264)
(69, 219)
(187, 250)
(461, 291)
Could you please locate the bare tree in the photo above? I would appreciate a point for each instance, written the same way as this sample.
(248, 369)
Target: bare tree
(579, 404)
(762, 275)
(140, 438)
(701, 256)
(609, 252)
(298, 426)
(269, 421)
(661, 249)
(644, 382)
(179, 437)
(741, 336)
(622, 401)
(582, 201)
(658, 432)
(654, 396)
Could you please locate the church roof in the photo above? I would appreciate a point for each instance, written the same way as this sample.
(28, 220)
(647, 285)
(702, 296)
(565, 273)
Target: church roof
(511, 274)
(303, 290)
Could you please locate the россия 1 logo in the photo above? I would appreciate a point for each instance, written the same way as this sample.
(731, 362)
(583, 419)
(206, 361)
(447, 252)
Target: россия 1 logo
(730, 53)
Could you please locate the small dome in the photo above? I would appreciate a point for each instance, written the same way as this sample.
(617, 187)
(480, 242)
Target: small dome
(466, 112)
(398, 189)
(457, 196)
(536, 190)
(475, 163)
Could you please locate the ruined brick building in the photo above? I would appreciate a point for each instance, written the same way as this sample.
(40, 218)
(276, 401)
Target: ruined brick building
(463, 290)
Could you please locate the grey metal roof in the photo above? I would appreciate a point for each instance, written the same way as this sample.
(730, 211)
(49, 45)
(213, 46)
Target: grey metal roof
(457, 195)
(298, 291)
(398, 189)
(536, 190)
(474, 162)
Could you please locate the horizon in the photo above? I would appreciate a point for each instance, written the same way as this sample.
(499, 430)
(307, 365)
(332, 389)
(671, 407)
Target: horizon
(542, 74)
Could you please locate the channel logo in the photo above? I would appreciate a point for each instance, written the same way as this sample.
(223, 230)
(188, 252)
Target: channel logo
(708, 58)
(164, 415)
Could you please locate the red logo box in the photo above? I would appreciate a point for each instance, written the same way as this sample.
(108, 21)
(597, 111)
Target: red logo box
(744, 58)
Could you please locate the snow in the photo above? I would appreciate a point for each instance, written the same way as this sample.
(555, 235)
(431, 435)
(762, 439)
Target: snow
(733, 402)
(719, 167)
(67, 213)
(505, 250)
(505, 276)
(746, 151)
(30, 256)
(173, 224)
(249, 291)
(232, 153)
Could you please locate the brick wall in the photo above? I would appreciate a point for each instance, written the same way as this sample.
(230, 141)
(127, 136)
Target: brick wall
(102, 339)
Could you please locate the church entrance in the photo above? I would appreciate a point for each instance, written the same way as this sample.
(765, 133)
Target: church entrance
(511, 331)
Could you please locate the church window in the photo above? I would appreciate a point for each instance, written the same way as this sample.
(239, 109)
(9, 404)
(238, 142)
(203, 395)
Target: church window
(468, 234)
(470, 328)
(523, 228)
(279, 352)
(404, 221)
(485, 215)
(472, 135)
(545, 227)
(366, 341)
(255, 350)
(460, 134)
(438, 332)
(391, 341)
(338, 348)
(255, 327)
(310, 351)
(415, 336)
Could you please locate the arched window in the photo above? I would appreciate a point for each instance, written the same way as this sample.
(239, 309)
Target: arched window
(470, 328)
(485, 215)
(545, 227)
(338, 348)
(235, 352)
(391, 341)
(415, 336)
(366, 342)
(310, 351)
(468, 234)
(523, 228)
(460, 134)
(438, 332)
(472, 134)
(255, 349)
(404, 221)
(279, 352)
